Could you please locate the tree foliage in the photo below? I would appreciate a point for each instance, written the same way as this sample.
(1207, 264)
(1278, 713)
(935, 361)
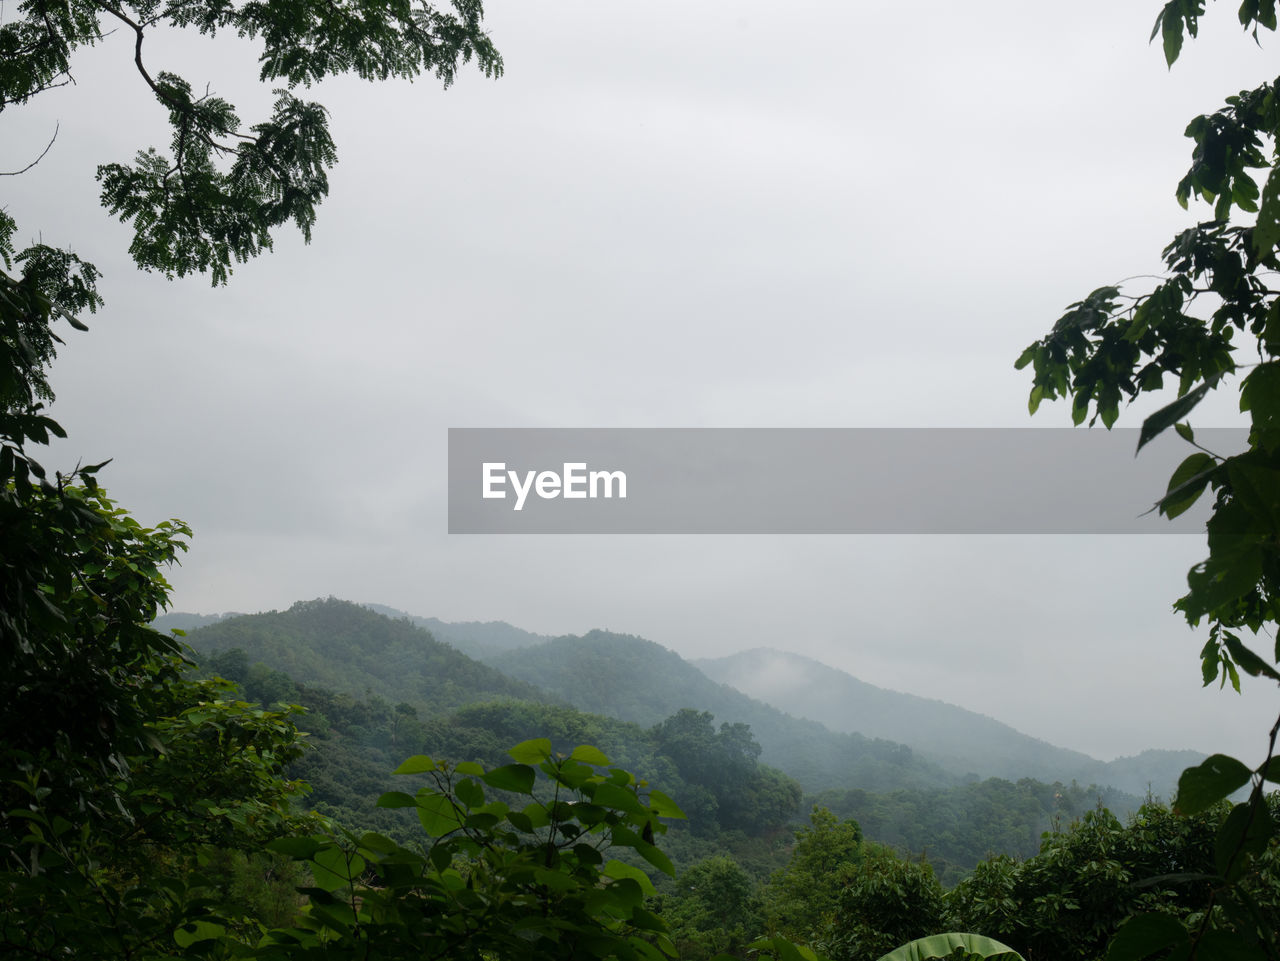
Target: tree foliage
(801, 899)
(1213, 320)
(504, 872)
(121, 781)
(223, 186)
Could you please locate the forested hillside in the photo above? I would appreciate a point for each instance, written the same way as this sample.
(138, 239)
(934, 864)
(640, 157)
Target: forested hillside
(348, 648)
(736, 806)
(959, 740)
(478, 639)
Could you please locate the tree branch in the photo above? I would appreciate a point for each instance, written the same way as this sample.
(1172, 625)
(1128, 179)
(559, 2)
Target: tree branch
(13, 173)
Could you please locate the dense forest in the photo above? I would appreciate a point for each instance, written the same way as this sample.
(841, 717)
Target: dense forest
(1047, 868)
(381, 687)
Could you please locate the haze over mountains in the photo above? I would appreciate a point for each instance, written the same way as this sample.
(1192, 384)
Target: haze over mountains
(956, 738)
(823, 727)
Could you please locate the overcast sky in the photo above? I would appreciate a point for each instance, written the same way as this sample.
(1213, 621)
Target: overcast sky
(668, 214)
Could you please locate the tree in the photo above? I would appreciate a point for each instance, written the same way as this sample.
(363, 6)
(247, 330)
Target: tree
(224, 187)
(1070, 899)
(1216, 300)
(885, 902)
(714, 910)
(801, 899)
(108, 759)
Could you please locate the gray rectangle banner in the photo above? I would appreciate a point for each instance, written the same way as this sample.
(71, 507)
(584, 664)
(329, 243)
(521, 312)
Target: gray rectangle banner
(817, 480)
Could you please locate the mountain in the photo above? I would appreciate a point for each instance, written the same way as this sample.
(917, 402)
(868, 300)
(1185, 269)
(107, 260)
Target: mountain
(959, 740)
(636, 680)
(478, 639)
(184, 621)
(348, 648)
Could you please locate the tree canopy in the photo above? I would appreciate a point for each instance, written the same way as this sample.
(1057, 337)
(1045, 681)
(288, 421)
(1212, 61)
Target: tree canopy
(1211, 322)
(119, 778)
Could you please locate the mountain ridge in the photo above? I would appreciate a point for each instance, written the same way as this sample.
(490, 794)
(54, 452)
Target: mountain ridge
(955, 737)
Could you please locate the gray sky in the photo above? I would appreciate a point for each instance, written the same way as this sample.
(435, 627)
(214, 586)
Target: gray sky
(671, 215)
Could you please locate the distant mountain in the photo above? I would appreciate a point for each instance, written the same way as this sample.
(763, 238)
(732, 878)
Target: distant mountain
(873, 739)
(348, 648)
(183, 621)
(479, 639)
(959, 740)
(637, 680)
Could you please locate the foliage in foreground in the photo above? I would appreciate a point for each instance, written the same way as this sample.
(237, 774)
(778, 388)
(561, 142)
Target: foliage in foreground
(524, 877)
(1193, 326)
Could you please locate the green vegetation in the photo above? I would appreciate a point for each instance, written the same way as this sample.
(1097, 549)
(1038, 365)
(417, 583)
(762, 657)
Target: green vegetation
(959, 741)
(345, 647)
(1111, 347)
(147, 813)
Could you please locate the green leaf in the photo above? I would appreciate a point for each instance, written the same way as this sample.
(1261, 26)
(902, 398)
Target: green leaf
(663, 806)
(334, 868)
(619, 798)
(469, 793)
(1267, 232)
(786, 951)
(1207, 783)
(295, 847)
(396, 799)
(1033, 402)
(589, 755)
(1222, 945)
(1170, 26)
(1253, 665)
(519, 778)
(1143, 935)
(437, 813)
(537, 815)
(618, 870)
(944, 946)
(533, 751)
(1169, 415)
(196, 931)
(1187, 484)
(418, 764)
(1185, 432)
(1243, 834)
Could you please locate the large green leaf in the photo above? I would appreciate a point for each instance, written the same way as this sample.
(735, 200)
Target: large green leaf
(1144, 935)
(511, 777)
(1187, 484)
(614, 868)
(1169, 415)
(1243, 834)
(1208, 783)
(437, 813)
(590, 755)
(663, 806)
(418, 764)
(335, 868)
(941, 946)
(532, 751)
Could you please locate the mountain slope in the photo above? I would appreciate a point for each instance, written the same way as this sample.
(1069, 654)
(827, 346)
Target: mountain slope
(348, 648)
(637, 680)
(477, 639)
(958, 739)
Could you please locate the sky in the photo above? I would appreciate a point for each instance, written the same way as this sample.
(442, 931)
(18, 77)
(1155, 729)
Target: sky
(667, 215)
